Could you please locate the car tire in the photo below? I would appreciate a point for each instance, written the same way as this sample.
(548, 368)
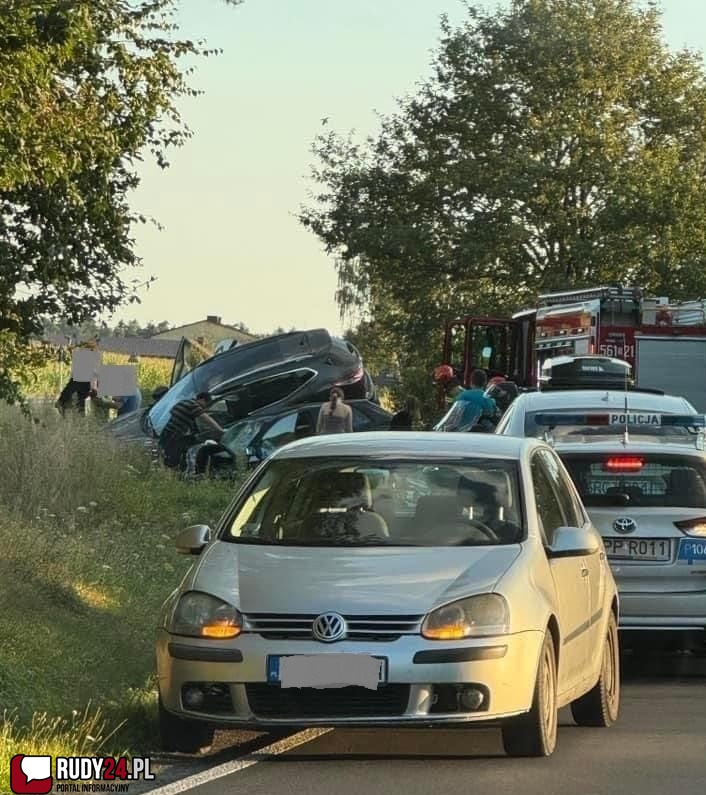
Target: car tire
(601, 705)
(535, 733)
(181, 735)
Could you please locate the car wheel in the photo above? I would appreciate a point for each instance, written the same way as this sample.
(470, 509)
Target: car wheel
(534, 734)
(184, 736)
(600, 706)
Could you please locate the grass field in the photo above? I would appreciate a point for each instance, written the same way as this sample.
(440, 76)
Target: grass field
(48, 381)
(87, 536)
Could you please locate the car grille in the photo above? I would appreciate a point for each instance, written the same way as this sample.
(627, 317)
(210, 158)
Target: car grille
(362, 627)
(272, 701)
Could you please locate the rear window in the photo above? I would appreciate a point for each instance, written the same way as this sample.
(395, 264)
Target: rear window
(638, 480)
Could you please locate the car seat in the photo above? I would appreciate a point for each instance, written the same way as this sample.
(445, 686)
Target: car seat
(343, 501)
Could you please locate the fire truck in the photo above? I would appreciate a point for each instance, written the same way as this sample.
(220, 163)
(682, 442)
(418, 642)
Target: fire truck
(663, 341)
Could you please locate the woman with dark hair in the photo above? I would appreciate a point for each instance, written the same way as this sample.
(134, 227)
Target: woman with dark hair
(335, 416)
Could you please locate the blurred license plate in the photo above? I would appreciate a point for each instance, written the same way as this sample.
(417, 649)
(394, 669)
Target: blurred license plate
(656, 549)
(327, 670)
(691, 549)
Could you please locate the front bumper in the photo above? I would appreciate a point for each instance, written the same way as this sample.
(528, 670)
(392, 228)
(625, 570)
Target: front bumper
(420, 675)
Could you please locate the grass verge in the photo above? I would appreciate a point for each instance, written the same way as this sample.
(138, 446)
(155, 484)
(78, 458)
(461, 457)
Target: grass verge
(86, 531)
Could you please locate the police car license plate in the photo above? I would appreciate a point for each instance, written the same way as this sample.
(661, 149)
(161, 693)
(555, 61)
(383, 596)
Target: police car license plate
(647, 549)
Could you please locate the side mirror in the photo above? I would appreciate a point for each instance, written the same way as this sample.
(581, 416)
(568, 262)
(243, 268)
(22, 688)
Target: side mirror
(573, 542)
(193, 540)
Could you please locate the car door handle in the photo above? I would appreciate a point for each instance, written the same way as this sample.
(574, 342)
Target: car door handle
(584, 572)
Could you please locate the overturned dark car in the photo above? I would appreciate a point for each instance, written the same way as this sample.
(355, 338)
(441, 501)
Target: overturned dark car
(248, 442)
(285, 369)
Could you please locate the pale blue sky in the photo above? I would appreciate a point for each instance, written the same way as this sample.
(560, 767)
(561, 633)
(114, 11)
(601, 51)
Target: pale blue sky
(230, 244)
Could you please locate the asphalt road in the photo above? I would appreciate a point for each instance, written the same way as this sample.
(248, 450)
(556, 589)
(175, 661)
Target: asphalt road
(658, 746)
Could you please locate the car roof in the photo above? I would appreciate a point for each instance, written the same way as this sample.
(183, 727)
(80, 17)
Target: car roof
(601, 398)
(417, 444)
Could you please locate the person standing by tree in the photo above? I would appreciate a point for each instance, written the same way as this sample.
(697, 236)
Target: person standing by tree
(335, 416)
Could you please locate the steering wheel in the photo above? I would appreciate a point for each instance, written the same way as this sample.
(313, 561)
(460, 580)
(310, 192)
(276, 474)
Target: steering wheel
(488, 532)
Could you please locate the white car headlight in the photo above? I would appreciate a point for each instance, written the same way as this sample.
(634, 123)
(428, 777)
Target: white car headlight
(201, 615)
(477, 616)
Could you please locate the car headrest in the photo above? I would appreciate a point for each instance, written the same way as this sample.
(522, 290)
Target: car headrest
(343, 490)
(435, 509)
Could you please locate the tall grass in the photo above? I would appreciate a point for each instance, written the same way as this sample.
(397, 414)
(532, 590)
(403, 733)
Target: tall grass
(86, 531)
(48, 381)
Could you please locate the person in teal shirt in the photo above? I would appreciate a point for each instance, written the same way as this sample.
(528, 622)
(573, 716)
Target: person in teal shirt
(475, 400)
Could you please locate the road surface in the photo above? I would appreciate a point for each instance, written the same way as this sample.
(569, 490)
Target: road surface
(658, 746)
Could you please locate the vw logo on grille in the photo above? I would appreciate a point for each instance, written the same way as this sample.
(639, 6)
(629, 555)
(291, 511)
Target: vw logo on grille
(329, 627)
(624, 525)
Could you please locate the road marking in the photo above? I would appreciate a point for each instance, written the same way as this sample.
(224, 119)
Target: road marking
(243, 762)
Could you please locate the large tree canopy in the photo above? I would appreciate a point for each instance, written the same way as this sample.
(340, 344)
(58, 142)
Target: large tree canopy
(87, 87)
(558, 144)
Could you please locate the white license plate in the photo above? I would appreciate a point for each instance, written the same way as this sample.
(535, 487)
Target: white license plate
(327, 670)
(649, 549)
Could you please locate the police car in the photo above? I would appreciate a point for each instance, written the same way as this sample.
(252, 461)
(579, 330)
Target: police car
(641, 473)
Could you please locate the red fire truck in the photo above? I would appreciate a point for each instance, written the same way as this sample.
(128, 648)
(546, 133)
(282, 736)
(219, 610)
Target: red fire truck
(665, 342)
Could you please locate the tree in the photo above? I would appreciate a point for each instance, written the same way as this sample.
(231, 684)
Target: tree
(88, 87)
(557, 144)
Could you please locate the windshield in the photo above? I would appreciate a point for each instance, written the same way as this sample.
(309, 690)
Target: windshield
(240, 435)
(638, 480)
(158, 415)
(638, 426)
(324, 502)
(456, 418)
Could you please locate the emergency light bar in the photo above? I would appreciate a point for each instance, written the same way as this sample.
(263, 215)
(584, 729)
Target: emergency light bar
(622, 419)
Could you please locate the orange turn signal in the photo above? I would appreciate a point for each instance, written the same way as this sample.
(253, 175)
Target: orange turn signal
(452, 632)
(220, 631)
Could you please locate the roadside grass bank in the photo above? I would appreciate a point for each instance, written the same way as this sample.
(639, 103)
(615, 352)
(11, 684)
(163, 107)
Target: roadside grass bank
(87, 532)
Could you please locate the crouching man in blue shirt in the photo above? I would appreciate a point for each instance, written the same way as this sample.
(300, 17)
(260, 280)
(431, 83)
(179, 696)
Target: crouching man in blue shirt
(477, 403)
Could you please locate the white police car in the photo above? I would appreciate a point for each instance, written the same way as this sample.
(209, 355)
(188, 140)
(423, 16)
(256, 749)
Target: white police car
(642, 477)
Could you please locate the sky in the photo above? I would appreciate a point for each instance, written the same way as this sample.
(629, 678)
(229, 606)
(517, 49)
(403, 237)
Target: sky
(231, 245)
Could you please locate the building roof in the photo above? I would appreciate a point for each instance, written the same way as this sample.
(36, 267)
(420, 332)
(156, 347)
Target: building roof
(236, 333)
(140, 346)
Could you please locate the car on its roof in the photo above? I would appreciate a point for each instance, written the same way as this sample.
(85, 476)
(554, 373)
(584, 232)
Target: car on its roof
(273, 372)
(520, 419)
(396, 579)
(248, 442)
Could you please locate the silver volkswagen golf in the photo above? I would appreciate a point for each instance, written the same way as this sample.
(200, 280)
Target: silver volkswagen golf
(396, 579)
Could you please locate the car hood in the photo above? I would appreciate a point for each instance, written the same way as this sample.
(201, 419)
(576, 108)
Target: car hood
(128, 427)
(261, 579)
